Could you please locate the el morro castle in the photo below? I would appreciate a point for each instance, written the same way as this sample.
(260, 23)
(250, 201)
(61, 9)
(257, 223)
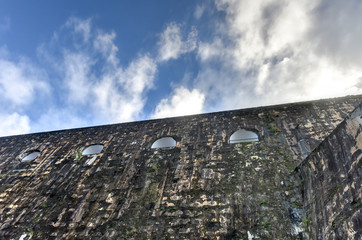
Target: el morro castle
(290, 171)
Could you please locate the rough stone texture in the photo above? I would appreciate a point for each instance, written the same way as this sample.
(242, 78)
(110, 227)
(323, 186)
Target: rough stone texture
(204, 188)
(332, 176)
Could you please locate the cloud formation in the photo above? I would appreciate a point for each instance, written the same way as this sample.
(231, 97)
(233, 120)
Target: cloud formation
(121, 94)
(88, 85)
(199, 11)
(251, 53)
(21, 85)
(12, 124)
(79, 26)
(268, 52)
(19, 81)
(171, 45)
(181, 102)
(96, 83)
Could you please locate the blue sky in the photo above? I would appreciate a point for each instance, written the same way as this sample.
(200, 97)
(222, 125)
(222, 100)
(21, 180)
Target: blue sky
(66, 64)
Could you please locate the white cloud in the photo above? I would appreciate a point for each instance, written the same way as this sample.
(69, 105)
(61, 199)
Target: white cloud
(22, 86)
(182, 102)
(13, 124)
(120, 95)
(171, 45)
(139, 75)
(274, 51)
(80, 26)
(104, 43)
(261, 52)
(77, 68)
(98, 86)
(199, 11)
(91, 86)
(261, 30)
(208, 51)
(20, 82)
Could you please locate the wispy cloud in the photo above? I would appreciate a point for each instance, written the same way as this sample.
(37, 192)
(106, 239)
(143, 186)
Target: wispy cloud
(79, 26)
(96, 85)
(255, 53)
(84, 82)
(104, 43)
(78, 76)
(172, 45)
(181, 102)
(121, 94)
(199, 11)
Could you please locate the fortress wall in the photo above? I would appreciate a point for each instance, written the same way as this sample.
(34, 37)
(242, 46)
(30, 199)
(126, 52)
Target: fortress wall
(332, 177)
(204, 188)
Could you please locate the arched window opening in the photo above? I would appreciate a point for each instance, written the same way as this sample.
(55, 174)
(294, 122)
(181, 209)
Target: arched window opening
(30, 156)
(243, 136)
(165, 142)
(93, 149)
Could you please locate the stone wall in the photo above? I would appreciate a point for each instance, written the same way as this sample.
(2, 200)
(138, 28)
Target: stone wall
(204, 188)
(332, 176)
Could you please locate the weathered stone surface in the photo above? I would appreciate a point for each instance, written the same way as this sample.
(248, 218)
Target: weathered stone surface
(332, 177)
(204, 188)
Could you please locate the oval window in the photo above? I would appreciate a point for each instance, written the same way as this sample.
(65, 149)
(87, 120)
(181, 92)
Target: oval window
(165, 142)
(31, 156)
(93, 149)
(243, 136)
